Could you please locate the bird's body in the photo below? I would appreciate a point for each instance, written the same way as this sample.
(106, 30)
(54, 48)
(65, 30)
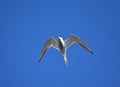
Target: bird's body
(62, 48)
(62, 45)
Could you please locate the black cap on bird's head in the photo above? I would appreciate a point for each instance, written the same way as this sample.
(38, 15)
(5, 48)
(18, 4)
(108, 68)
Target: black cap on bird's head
(59, 36)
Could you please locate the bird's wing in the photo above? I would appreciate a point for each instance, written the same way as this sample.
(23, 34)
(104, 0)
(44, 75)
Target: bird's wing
(72, 38)
(49, 42)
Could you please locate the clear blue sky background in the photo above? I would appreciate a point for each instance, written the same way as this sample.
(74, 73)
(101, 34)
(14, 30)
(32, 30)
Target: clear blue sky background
(25, 25)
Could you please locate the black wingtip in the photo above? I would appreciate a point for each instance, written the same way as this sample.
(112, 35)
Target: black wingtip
(91, 52)
(39, 60)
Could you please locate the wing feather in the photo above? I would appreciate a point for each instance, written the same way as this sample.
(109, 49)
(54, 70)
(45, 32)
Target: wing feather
(72, 38)
(49, 42)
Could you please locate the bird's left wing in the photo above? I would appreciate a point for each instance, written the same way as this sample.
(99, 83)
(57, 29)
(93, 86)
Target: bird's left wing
(72, 38)
(49, 42)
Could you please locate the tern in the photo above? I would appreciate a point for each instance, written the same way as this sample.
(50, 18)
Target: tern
(62, 45)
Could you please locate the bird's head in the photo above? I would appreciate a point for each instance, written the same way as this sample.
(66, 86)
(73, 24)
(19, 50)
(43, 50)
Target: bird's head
(59, 36)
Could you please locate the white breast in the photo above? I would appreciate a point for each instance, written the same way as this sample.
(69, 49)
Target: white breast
(62, 41)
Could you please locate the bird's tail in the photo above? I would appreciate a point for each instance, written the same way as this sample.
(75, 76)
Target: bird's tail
(65, 59)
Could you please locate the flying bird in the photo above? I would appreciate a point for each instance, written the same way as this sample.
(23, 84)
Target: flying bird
(62, 45)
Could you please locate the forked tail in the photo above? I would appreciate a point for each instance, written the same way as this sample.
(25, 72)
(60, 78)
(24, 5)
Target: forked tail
(65, 59)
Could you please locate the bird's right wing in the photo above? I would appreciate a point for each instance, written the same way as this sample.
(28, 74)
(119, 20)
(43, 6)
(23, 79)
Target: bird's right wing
(49, 42)
(72, 38)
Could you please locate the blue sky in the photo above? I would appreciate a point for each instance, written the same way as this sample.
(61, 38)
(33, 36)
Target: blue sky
(25, 25)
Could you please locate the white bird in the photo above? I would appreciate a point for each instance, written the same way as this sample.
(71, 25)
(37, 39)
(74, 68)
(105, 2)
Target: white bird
(62, 45)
